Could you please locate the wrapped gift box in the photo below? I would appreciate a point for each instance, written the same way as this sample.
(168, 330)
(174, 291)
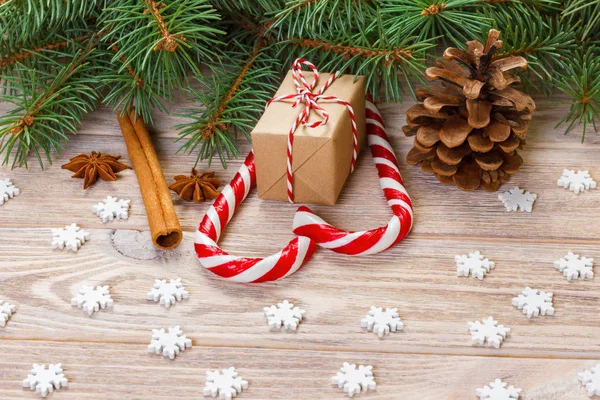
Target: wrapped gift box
(322, 156)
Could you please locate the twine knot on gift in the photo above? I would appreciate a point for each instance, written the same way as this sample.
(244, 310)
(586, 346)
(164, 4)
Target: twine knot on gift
(305, 95)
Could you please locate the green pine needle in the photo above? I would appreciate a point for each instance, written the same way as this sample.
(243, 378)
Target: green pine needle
(234, 95)
(581, 82)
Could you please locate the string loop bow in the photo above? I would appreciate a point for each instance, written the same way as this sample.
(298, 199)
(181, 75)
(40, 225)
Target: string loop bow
(305, 95)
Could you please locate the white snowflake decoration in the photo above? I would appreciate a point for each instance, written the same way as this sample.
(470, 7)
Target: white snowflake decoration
(382, 322)
(517, 199)
(112, 208)
(167, 293)
(488, 332)
(92, 299)
(591, 380)
(44, 380)
(6, 310)
(226, 385)
(574, 267)
(576, 182)
(497, 390)
(170, 343)
(284, 314)
(71, 237)
(352, 380)
(474, 264)
(533, 303)
(7, 190)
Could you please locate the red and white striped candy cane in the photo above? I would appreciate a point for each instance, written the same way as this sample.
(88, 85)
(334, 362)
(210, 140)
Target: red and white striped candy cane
(244, 269)
(304, 95)
(306, 223)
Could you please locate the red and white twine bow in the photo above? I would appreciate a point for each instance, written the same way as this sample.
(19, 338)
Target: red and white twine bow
(304, 95)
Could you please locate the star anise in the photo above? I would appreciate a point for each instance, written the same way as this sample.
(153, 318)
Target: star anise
(93, 166)
(196, 187)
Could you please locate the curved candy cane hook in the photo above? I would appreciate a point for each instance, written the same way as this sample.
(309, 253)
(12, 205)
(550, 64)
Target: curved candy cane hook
(244, 269)
(306, 223)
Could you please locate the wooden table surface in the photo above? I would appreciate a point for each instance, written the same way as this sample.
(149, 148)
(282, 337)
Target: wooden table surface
(105, 356)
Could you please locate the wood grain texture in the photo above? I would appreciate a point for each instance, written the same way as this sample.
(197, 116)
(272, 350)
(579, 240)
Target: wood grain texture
(431, 359)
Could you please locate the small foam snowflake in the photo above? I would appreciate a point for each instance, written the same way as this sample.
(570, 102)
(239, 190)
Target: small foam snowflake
(474, 264)
(533, 303)
(284, 314)
(44, 380)
(574, 267)
(71, 237)
(7, 190)
(382, 322)
(6, 310)
(170, 343)
(576, 182)
(517, 199)
(497, 390)
(226, 384)
(167, 293)
(92, 299)
(352, 380)
(112, 208)
(591, 380)
(488, 332)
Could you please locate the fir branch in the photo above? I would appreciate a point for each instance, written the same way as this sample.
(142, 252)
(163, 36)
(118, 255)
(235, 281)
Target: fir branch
(48, 106)
(234, 97)
(127, 89)
(390, 56)
(542, 5)
(586, 12)
(386, 65)
(9, 58)
(25, 20)
(166, 41)
(244, 8)
(321, 16)
(581, 82)
(456, 20)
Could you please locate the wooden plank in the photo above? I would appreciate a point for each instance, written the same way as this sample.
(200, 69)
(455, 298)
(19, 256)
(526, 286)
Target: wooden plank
(439, 210)
(418, 277)
(127, 371)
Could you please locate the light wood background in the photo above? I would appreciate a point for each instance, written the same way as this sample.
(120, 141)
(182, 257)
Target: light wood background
(105, 357)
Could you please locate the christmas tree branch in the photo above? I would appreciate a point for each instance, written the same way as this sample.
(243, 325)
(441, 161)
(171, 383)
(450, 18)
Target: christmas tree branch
(234, 97)
(10, 59)
(216, 121)
(48, 106)
(581, 83)
(320, 16)
(390, 55)
(169, 42)
(385, 64)
(455, 20)
(139, 30)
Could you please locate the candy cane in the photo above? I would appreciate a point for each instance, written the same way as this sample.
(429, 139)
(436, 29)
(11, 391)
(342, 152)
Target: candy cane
(306, 223)
(244, 269)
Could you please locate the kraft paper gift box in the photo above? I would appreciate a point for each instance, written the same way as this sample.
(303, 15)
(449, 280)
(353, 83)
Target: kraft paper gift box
(321, 156)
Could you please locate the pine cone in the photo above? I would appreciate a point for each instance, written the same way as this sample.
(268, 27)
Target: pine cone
(467, 131)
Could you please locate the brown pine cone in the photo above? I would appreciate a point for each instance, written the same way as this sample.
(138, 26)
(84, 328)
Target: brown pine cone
(467, 131)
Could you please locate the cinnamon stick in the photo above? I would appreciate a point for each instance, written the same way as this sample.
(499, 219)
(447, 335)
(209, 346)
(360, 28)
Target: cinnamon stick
(164, 224)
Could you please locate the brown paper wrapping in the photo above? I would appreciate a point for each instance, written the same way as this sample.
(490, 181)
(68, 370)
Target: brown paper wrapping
(321, 156)
(164, 224)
